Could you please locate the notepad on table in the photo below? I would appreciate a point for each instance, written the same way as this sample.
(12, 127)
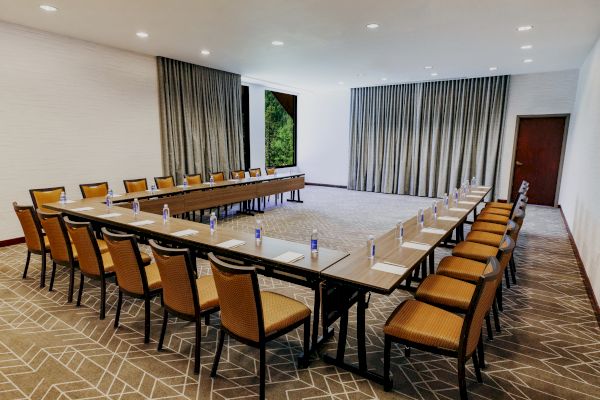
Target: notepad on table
(471, 196)
(141, 223)
(479, 191)
(111, 215)
(484, 187)
(416, 246)
(459, 209)
(185, 232)
(390, 267)
(448, 218)
(435, 231)
(69, 201)
(230, 244)
(289, 257)
(83, 209)
(152, 191)
(117, 195)
(468, 202)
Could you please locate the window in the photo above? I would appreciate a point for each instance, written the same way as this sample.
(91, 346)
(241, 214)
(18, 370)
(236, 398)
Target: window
(280, 129)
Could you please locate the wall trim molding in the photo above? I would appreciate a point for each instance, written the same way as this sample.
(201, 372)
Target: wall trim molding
(326, 185)
(582, 271)
(10, 242)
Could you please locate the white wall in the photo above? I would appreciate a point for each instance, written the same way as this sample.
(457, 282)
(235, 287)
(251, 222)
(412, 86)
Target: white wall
(72, 112)
(533, 94)
(580, 186)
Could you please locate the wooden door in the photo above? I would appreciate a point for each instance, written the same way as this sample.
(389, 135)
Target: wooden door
(538, 157)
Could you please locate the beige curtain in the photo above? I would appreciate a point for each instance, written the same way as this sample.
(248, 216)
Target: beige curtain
(201, 119)
(424, 138)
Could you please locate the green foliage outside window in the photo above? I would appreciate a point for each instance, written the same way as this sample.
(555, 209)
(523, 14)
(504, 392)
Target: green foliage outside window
(279, 133)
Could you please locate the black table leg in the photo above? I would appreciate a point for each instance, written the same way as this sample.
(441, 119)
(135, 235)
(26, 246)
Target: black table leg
(293, 196)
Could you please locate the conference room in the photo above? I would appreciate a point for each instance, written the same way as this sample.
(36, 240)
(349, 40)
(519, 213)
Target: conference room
(299, 199)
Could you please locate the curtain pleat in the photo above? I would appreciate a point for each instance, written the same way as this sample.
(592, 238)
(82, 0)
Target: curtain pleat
(201, 119)
(425, 138)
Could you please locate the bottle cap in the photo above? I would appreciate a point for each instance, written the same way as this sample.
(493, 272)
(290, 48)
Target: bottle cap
(371, 237)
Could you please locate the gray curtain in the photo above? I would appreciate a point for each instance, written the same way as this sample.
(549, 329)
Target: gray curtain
(201, 119)
(424, 138)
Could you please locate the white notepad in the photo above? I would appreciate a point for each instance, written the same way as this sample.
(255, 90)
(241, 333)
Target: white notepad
(468, 202)
(416, 246)
(479, 191)
(185, 232)
(391, 268)
(459, 209)
(448, 218)
(472, 196)
(83, 209)
(231, 244)
(289, 257)
(435, 231)
(142, 222)
(117, 195)
(69, 201)
(484, 187)
(153, 191)
(111, 215)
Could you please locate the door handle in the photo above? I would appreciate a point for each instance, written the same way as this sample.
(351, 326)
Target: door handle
(518, 163)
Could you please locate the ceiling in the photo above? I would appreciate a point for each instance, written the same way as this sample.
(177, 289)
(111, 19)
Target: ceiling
(327, 41)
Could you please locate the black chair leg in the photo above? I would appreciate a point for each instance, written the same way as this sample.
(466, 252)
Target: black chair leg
(513, 269)
(163, 330)
(26, 264)
(80, 290)
(387, 382)
(198, 348)
(207, 319)
(496, 316)
(462, 383)
(102, 299)
(304, 361)
(147, 320)
(43, 273)
(506, 279)
(262, 371)
(488, 325)
(119, 302)
(52, 276)
(71, 284)
(499, 298)
(213, 372)
(480, 353)
(477, 369)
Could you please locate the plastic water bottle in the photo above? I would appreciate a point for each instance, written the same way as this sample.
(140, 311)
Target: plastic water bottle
(111, 193)
(63, 198)
(371, 246)
(455, 196)
(108, 200)
(258, 231)
(446, 201)
(212, 180)
(314, 242)
(135, 206)
(434, 208)
(421, 218)
(166, 213)
(400, 232)
(213, 223)
(473, 181)
(185, 182)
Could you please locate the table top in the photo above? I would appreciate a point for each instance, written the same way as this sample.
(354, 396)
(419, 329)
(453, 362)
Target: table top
(356, 269)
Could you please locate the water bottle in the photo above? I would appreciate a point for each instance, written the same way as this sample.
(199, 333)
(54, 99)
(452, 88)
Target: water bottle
(135, 206)
(258, 231)
(213, 223)
(166, 213)
(474, 182)
(434, 208)
(185, 182)
(455, 196)
(446, 201)
(314, 242)
(421, 218)
(212, 180)
(371, 246)
(108, 200)
(111, 193)
(400, 232)
(63, 198)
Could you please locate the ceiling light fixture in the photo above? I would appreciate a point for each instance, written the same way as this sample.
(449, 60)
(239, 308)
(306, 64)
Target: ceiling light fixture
(340, 83)
(434, 74)
(205, 52)
(372, 26)
(526, 47)
(384, 79)
(277, 43)
(525, 28)
(48, 8)
(493, 68)
(428, 67)
(142, 35)
(527, 60)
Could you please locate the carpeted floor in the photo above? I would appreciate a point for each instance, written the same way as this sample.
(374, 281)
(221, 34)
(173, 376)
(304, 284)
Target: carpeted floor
(549, 346)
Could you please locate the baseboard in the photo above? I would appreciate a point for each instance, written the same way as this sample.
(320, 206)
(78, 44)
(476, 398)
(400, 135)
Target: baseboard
(326, 185)
(582, 271)
(10, 242)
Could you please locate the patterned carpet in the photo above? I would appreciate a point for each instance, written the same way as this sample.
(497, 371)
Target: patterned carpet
(549, 346)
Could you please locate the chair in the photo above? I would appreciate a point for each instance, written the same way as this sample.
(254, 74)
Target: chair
(239, 174)
(36, 241)
(135, 185)
(136, 277)
(164, 182)
(254, 317)
(273, 171)
(509, 206)
(218, 176)
(195, 179)
(254, 172)
(92, 263)
(185, 295)
(99, 189)
(39, 197)
(423, 326)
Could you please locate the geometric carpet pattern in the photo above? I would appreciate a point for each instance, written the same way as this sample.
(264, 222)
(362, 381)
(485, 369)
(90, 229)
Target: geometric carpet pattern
(549, 347)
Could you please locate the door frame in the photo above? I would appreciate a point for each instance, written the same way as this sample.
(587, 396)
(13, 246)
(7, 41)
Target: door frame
(567, 117)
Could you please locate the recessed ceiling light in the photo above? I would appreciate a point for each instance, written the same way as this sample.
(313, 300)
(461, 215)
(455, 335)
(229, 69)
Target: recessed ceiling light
(428, 67)
(527, 60)
(493, 68)
(525, 28)
(48, 8)
(434, 74)
(384, 79)
(526, 47)
(142, 35)
(277, 43)
(372, 26)
(205, 52)
(340, 83)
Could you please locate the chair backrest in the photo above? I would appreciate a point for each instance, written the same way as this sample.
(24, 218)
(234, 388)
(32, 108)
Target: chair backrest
(239, 174)
(31, 227)
(270, 170)
(177, 269)
(195, 179)
(505, 251)
(127, 261)
(88, 253)
(239, 299)
(99, 189)
(254, 172)
(164, 182)
(135, 185)
(56, 232)
(39, 197)
(485, 292)
(218, 176)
